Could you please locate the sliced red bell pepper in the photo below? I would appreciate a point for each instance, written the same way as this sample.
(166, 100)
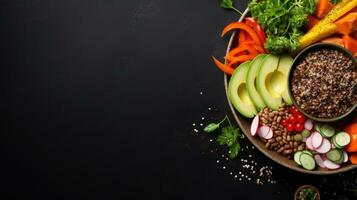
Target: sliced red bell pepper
(248, 38)
(242, 26)
(257, 28)
(241, 37)
(225, 68)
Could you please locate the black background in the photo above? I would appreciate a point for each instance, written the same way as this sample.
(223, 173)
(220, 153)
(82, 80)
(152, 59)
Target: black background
(98, 99)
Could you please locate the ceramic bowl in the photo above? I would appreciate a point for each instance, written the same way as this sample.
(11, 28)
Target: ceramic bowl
(297, 61)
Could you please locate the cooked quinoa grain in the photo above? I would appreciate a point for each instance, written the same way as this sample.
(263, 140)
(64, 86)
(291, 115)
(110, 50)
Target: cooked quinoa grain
(324, 84)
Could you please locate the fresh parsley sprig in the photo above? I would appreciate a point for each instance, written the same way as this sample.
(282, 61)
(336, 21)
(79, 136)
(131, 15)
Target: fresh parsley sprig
(228, 4)
(229, 136)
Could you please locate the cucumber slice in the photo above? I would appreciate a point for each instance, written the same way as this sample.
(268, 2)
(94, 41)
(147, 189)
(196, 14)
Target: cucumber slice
(307, 161)
(307, 152)
(341, 160)
(333, 140)
(335, 155)
(327, 130)
(318, 127)
(297, 157)
(342, 139)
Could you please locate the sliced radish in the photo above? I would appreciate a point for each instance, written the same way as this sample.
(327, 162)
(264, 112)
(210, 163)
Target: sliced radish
(345, 156)
(309, 143)
(309, 125)
(331, 165)
(269, 135)
(333, 146)
(316, 140)
(254, 125)
(319, 161)
(323, 156)
(263, 131)
(325, 146)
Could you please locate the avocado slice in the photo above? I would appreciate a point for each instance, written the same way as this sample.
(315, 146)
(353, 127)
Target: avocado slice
(270, 82)
(238, 93)
(285, 63)
(251, 77)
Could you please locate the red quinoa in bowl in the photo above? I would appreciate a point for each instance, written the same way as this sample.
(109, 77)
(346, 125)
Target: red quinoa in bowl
(324, 83)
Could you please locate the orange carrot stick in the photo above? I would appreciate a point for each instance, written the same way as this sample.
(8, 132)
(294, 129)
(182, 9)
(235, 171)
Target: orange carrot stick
(241, 59)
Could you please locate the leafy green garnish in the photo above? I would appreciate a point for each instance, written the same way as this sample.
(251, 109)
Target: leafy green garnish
(307, 194)
(234, 150)
(229, 136)
(211, 127)
(283, 21)
(228, 4)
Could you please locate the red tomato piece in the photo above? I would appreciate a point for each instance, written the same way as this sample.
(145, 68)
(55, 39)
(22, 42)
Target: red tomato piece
(292, 120)
(300, 118)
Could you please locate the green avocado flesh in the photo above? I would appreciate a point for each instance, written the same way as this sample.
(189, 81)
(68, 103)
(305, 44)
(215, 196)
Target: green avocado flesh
(284, 67)
(270, 82)
(238, 93)
(251, 78)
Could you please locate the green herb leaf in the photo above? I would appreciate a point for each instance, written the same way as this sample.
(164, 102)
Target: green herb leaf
(228, 4)
(234, 150)
(228, 136)
(283, 22)
(211, 127)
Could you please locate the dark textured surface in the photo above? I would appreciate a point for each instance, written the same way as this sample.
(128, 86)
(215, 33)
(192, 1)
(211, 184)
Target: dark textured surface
(98, 100)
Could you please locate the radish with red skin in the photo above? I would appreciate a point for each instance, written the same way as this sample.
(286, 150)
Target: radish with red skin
(309, 143)
(319, 161)
(263, 131)
(323, 156)
(331, 165)
(269, 135)
(325, 146)
(309, 125)
(316, 140)
(254, 125)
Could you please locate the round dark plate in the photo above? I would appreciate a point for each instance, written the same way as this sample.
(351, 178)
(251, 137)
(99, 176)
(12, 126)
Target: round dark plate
(244, 124)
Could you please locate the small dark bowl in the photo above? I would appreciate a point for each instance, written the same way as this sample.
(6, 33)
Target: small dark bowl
(300, 57)
(318, 197)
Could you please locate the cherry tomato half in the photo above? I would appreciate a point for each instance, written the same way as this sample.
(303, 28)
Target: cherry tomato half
(300, 118)
(299, 127)
(291, 109)
(295, 112)
(292, 120)
(290, 127)
(284, 122)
